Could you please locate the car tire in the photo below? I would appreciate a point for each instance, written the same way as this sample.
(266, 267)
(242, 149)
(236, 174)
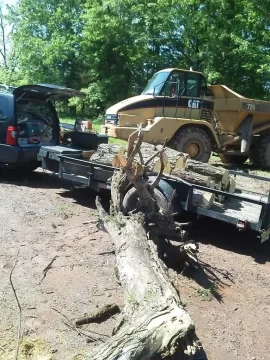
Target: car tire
(130, 200)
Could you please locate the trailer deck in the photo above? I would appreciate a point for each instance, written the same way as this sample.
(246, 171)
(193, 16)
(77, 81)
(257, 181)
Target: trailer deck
(244, 210)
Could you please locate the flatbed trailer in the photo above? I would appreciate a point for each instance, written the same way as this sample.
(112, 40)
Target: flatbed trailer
(244, 210)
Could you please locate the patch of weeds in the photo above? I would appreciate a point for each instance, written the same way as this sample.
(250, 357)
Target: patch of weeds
(131, 298)
(117, 141)
(65, 211)
(208, 294)
(35, 349)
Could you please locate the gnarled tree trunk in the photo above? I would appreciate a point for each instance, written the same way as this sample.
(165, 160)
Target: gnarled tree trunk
(153, 321)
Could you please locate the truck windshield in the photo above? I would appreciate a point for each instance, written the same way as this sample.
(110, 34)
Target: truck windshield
(156, 83)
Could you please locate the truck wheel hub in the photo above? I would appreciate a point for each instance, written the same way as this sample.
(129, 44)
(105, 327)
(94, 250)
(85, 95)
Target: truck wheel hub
(192, 149)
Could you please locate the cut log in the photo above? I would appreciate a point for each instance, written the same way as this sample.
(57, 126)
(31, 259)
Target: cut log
(177, 159)
(88, 153)
(156, 166)
(181, 162)
(219, 197)
(192, 177)
(217, 173)
(232, 185)
(203, 199)
(105, 153)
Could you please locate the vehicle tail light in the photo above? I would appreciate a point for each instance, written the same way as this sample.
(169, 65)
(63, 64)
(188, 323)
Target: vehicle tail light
(11, 138)
(242, 225)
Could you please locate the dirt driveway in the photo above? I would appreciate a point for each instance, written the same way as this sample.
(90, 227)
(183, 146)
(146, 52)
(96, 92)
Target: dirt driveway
(45, 221)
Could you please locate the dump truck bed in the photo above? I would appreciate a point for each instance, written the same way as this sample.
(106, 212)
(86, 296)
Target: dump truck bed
(232, 108)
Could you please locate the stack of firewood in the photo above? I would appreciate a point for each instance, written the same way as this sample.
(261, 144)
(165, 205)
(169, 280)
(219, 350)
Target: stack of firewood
(176, 165)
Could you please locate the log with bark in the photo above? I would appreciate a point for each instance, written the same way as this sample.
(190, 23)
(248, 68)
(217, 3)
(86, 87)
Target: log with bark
(154, 323)
(106, 153)
(192, 177)
(219, 174)
(176, 159)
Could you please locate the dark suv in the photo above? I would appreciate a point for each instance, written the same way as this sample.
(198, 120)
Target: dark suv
(28, 120)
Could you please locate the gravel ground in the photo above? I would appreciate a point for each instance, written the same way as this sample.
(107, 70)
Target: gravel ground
(44, 219)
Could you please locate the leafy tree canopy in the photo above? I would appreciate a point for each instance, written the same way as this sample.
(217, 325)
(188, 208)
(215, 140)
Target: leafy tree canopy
(112, 47)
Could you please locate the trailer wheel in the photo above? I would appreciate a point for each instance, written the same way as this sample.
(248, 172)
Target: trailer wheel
(194, 141)
(130, 200)
(260, 155)
(233, 159)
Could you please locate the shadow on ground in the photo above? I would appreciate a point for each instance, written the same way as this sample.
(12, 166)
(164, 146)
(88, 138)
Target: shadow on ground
(46, 180)
(35, 179)
(227, 237)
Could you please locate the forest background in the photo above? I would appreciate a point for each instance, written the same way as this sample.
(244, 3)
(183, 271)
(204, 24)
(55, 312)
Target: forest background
(110, 48)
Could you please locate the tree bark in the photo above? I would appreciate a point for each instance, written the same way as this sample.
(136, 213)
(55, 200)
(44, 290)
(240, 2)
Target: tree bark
(176, 159)
(153, 322)
(192, 177)
(217, 173)
(106, 153)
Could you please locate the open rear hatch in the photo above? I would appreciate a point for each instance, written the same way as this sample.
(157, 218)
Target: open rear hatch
(36, 118)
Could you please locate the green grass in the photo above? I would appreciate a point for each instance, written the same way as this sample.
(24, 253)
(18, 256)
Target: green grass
(214, 159)
(208, 294)
(96, 126)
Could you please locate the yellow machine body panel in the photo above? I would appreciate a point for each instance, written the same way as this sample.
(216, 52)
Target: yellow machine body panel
(157, 129)
(231, 109)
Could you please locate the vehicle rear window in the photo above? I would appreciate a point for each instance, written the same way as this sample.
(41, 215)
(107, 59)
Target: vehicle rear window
(4, 108)
(35, 121)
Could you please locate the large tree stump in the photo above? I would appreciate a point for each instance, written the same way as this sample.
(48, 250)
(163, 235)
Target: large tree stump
(153, 322)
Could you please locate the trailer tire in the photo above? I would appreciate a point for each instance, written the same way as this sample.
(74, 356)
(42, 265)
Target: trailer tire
(260, 155)
(233, 159)
(131, 198)
(193, 141)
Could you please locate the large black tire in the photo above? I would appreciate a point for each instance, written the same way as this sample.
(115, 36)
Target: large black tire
(131, 199)
(260, 154)
(194, 141)
(233, 159)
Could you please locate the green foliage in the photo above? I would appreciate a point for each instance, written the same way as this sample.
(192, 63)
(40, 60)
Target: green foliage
(110, 48)
(46, 38)
(210, 293)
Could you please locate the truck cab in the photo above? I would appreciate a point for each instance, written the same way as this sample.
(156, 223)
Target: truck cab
(170, 93)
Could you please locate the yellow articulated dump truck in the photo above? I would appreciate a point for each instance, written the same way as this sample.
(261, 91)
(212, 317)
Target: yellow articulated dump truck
(195, 118)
